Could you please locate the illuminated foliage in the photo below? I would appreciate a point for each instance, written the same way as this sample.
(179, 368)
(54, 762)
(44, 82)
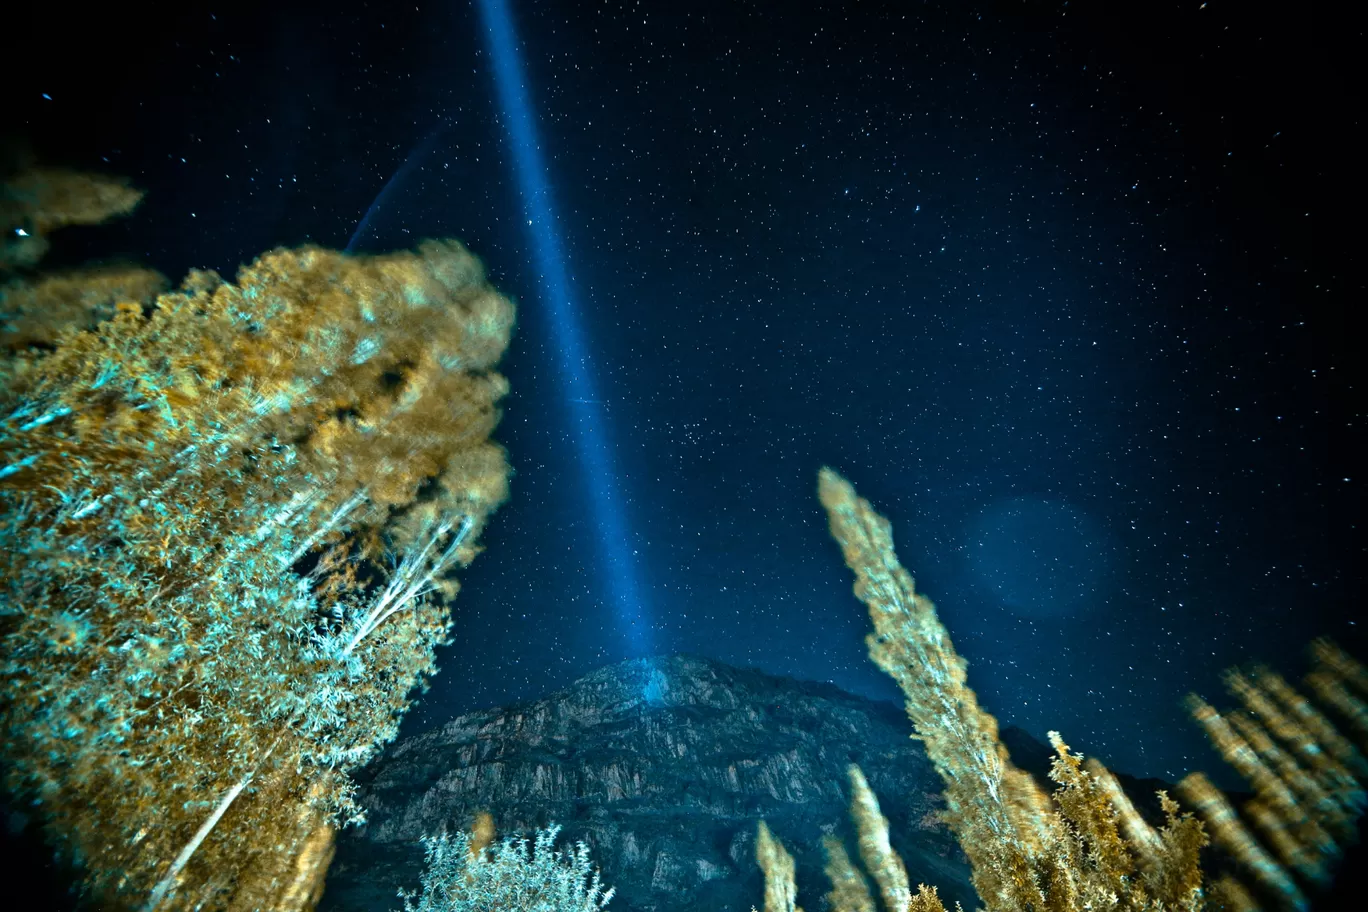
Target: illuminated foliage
(34, 202)
(34, 313)
(230, 515)
(780, 893)
(466, 874)
(1086, 847)
(1308, 778)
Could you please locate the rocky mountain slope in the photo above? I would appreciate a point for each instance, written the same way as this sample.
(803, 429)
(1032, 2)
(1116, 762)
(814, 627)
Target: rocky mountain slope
(662, 766)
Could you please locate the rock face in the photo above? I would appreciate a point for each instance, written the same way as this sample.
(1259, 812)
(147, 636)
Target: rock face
(662, 767)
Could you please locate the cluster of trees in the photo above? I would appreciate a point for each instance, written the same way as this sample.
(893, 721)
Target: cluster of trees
(1086, 846)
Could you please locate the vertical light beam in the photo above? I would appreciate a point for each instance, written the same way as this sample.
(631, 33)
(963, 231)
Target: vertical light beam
(589, 428)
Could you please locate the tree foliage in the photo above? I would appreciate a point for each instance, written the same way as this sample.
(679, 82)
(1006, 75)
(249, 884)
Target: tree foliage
(465, 874)
(229, 516)
(1086, 847)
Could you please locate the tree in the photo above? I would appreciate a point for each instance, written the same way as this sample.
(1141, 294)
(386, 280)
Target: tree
(1086, 846)
(230, 515)
(466, 874)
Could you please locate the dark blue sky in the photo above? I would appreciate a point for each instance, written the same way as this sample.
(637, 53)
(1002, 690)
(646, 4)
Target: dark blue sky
(1063, 290)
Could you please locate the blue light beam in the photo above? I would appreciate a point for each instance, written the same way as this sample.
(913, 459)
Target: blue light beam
(586, 410)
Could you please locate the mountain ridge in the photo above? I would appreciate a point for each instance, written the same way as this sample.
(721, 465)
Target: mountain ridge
(663, 766)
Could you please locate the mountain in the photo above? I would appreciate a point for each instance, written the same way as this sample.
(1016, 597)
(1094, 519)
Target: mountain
(662, 767)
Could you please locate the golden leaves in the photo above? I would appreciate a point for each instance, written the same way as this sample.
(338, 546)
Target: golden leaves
(199, 445)
(926, 900)
(878, 856)
(1028, 852)
(849, 889)
(37, 312)
(1308, 777)
(49, 198)
(777, 863)
(1088, 847)
(37, 201)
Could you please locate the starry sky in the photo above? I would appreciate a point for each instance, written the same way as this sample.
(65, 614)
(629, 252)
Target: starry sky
(1061, 287)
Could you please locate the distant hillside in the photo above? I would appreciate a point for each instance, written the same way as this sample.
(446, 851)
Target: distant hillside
(662, 766)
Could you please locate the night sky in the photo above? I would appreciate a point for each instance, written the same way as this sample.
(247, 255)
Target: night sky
(1063, 288)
